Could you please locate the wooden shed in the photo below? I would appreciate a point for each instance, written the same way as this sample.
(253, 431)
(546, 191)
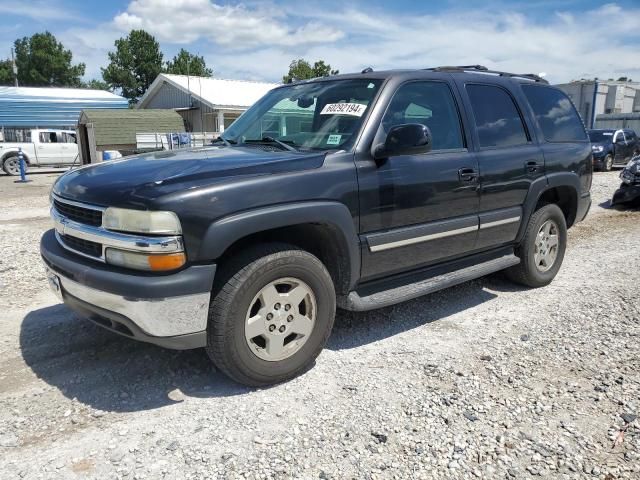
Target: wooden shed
(116, 129)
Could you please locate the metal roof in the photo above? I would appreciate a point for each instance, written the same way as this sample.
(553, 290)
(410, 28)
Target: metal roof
(216, 92)
(51, 107)
(119, 126)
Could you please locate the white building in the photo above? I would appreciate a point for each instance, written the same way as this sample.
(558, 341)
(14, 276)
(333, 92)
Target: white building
(595, 97)
(206, 104)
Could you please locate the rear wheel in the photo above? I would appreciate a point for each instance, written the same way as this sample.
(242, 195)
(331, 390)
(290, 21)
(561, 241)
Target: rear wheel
(542, 248)
(271, 316)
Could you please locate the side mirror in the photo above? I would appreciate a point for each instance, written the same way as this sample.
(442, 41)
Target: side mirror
(407, 139)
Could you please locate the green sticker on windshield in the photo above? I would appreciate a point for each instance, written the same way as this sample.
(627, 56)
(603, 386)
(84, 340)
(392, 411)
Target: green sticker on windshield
(334, 139)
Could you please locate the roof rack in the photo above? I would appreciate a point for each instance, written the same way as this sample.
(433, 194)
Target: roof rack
(483, 69)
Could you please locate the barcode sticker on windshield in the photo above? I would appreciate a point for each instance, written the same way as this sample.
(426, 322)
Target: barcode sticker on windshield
(354, 109)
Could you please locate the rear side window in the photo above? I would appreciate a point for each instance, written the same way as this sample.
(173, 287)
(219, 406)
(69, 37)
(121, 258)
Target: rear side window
(555, 113)
(498, 121)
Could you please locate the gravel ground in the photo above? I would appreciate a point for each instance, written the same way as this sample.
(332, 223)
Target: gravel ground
(484, 380)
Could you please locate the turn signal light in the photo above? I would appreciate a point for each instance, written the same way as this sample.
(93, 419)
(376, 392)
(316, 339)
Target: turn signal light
(166, 262)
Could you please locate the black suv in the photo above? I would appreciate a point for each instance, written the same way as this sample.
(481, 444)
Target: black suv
(613, 148)
(358, 191)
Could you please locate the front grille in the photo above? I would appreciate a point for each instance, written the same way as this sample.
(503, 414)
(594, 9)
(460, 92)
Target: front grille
(88, 216)
(83, 246)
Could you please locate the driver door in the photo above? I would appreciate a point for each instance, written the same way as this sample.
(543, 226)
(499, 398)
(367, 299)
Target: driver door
(418, 210)
(49, 148)
(620, 144)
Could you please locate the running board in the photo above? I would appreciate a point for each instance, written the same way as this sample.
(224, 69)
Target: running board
(402, 293)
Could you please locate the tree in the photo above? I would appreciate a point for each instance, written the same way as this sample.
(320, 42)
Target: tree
(134, 65)
(43, 61)
(187, 64)
(301, 69)
(6, 72)
(96, 85)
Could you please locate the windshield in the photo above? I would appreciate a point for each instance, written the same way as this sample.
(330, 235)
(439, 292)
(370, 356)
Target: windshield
(600, 136)
(309, 116)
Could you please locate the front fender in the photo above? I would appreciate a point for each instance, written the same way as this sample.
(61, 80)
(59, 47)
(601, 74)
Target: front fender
(224, 232)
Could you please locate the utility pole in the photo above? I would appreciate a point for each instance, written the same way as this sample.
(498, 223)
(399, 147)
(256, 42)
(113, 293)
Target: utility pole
(14, 67)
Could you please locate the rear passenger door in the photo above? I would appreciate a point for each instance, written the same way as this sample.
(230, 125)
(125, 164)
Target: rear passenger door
(69, 148)
(509, 161)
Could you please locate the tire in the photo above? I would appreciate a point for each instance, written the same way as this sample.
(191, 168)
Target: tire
(607, 163)
(240, 295)
(11, 165)
(535, 269)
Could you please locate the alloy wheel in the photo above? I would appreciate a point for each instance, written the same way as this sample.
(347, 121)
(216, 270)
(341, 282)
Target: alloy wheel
(546, 246)
(280, 319)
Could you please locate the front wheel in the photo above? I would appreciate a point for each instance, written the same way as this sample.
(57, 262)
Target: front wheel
(542, 248)
(11, 166)
(607, 163)
(271, 315)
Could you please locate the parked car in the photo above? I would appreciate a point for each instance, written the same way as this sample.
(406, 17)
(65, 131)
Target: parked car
(43, 148)
(629, 192)
(613, 148)
(358, 191)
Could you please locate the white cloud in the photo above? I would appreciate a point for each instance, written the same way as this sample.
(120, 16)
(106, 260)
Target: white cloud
(258, 40)
(232, 26)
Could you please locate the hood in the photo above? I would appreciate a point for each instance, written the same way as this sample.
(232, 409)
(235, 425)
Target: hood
(137, 180)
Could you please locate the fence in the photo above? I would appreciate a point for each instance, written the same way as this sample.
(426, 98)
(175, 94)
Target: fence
(173, 141)
(619, 120)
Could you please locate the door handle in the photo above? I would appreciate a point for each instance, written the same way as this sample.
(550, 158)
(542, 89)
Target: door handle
(532, 167)
(467, 174)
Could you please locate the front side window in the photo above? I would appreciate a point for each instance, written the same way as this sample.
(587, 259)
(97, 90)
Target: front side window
(48, 137)
(431, 104)
(555, 114)
(497, 119)
(324, 115)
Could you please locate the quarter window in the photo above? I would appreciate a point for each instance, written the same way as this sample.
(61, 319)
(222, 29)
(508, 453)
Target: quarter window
(498, 121)
(555, 114)
(430, 104)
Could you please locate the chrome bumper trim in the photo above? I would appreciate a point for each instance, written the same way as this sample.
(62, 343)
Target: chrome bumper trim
(108, 238)
(158, 317)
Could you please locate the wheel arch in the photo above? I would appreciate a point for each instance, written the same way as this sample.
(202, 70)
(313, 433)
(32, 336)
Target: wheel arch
(14, 153)
(561, 189)
(325, 229)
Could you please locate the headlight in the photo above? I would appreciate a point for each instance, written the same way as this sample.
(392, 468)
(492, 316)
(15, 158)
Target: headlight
(597, 148)
(155, 262)
(141, 221)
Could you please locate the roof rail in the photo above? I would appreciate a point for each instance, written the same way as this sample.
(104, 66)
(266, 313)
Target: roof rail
(483, 69)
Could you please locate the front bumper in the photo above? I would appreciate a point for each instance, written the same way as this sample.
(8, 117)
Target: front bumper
(169, 310)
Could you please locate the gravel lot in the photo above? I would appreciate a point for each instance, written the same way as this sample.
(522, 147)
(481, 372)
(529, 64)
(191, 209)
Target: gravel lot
(484, 380)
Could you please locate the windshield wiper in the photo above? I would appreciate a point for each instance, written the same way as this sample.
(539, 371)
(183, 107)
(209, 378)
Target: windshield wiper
(280, 143)
(227, 143)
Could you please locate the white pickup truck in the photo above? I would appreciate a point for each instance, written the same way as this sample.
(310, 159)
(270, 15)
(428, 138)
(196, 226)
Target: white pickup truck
(42, 148)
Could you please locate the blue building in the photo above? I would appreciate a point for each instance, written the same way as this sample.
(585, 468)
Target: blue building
(48, 107)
